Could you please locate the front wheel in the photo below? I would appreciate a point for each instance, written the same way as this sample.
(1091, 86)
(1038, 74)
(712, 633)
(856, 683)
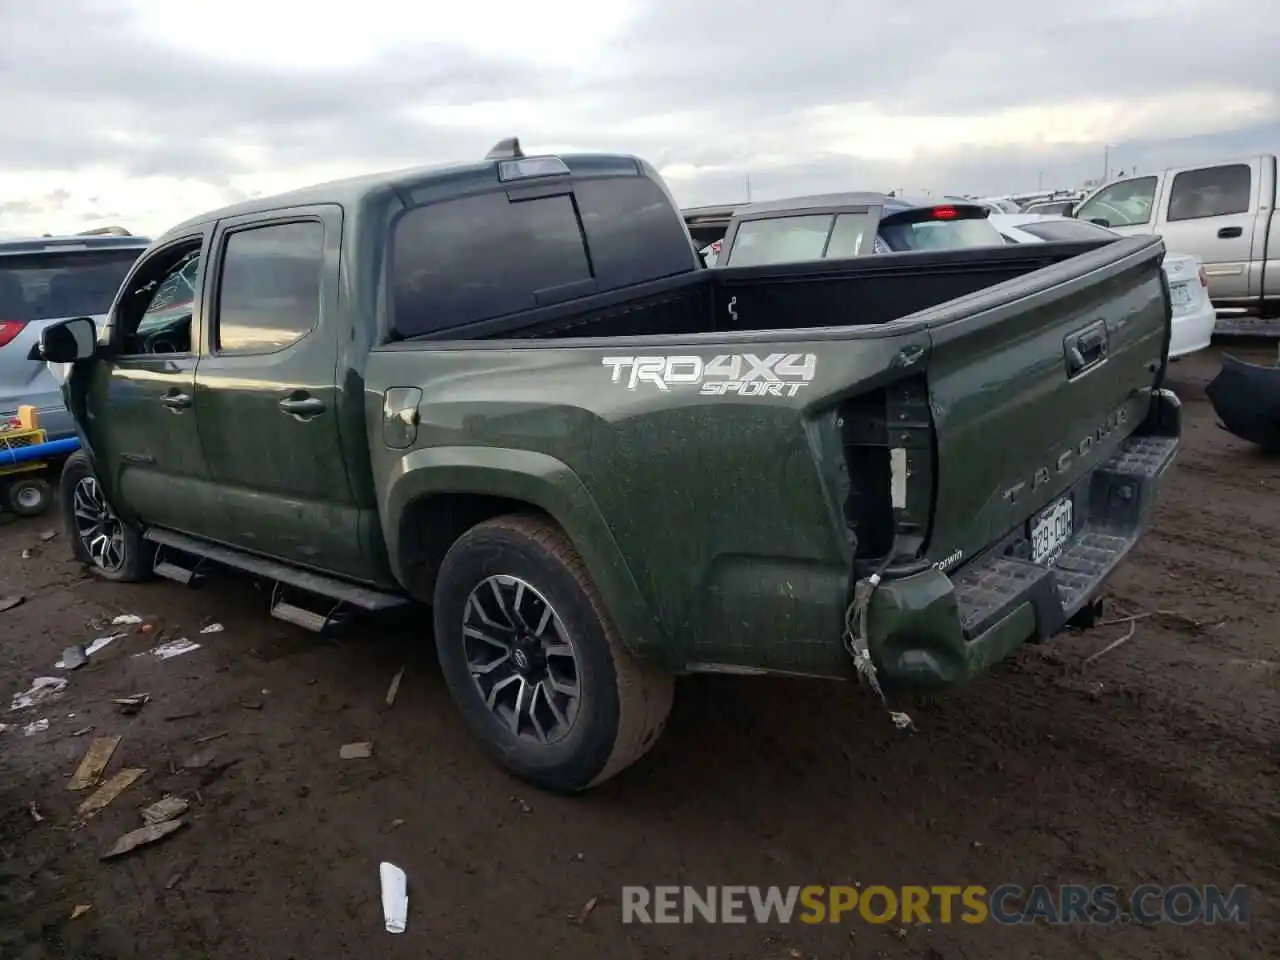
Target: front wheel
(111, 548)
(534, 663)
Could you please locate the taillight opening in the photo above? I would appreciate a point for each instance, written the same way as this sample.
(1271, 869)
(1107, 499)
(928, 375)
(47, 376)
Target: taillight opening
(886, 432)
(9, 330)
(1204, 278)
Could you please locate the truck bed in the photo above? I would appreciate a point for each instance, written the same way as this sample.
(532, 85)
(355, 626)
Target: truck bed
(865, 291)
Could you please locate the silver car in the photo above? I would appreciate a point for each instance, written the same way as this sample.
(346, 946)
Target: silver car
(48, 279)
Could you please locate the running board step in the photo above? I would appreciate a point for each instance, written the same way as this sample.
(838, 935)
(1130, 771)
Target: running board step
(339, 591)
(171, 569)
(301, 617)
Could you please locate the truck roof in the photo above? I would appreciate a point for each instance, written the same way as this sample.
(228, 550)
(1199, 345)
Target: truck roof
(458, 178)
(76, 242)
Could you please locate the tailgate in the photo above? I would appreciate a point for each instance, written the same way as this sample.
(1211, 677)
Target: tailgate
(1033, 385)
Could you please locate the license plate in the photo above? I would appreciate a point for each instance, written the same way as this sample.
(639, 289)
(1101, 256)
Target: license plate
(1050, 530)
(1180, 295)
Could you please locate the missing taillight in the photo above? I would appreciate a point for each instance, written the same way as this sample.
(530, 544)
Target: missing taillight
(9, 330)
(887, 436)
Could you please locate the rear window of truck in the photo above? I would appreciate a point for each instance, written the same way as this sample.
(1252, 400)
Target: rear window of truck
(60, 283)
(477, 258)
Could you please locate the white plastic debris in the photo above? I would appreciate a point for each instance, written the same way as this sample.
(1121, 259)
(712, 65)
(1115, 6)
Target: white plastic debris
(101, 642)
(212, 628)
(41, 689)
(36, 726)
(395, 896)
(125, 619)
(174, 648)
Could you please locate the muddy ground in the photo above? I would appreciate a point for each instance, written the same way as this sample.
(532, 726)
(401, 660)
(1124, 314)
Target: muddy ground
(1158, 762)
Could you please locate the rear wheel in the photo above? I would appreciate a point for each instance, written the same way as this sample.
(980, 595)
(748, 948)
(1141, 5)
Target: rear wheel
(29, 497)
(534, 663)
(111, 548)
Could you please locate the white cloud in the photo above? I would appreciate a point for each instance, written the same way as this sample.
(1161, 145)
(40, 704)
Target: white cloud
(146, 112)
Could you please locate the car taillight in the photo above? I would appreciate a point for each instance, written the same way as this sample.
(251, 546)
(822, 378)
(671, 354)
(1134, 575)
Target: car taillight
(944, 213)
(1204, 278)
(9, 329)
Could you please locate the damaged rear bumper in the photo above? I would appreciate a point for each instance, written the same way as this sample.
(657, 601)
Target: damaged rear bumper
(932, 630)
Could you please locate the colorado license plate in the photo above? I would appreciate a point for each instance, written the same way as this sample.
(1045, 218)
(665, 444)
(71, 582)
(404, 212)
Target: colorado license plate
(1050, 530)
(1180, 295)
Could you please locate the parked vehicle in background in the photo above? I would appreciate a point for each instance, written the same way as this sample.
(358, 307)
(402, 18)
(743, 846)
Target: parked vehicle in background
(1224, 213)
(510, 390)
(834, 226)
(1051, 208)
(43, 280)
(1193, 316)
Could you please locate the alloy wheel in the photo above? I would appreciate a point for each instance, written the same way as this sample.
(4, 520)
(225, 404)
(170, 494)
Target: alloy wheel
(98, 528)
(521, 659)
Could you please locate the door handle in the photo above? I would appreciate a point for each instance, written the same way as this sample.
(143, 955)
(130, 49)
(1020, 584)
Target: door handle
(1086, 348)
(302, 406)
(1226, 233)
(176, 401)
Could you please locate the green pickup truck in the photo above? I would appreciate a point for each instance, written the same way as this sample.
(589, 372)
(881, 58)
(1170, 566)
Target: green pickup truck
(509, 390)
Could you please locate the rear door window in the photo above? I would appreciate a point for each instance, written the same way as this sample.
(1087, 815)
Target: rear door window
(477, 258)
(60, 283)
(847, 235)
(1211, 192)
(780, 240)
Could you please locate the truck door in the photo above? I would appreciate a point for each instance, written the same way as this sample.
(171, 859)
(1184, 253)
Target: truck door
(139, 413)
(1210, 212)
(266, 399)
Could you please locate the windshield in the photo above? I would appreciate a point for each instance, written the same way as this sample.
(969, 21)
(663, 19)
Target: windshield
(55, 284)
(1067, 231)
(1056, 208)
(940, 235)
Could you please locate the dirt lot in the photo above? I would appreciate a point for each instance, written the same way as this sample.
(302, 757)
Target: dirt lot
(1156, 763)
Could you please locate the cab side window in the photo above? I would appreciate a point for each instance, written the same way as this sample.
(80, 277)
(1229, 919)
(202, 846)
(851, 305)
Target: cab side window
(155, 312)
(269, 290)
(1211, 192)
(1126, 203)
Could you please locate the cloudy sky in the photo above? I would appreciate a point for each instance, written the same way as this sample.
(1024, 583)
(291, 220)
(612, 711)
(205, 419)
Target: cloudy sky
(143, 112)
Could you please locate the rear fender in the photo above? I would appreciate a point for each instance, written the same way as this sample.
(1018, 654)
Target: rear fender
(541, 481)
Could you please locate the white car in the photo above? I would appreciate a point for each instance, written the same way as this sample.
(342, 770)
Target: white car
(1193, 313)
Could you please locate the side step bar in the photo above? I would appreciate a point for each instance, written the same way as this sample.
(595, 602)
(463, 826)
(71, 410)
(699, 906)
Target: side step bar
(338, 593)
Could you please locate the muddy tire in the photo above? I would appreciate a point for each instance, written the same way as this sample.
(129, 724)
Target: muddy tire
(99, 539)
(534, 663)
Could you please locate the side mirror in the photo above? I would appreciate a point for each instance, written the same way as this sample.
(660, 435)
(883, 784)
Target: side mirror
(1100, 221)
(69, 340)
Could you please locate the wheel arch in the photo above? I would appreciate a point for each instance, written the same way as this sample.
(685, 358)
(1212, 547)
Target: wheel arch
(437, 494)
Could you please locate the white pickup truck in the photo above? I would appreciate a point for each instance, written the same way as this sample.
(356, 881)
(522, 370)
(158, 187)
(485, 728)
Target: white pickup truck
(1224, 213)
